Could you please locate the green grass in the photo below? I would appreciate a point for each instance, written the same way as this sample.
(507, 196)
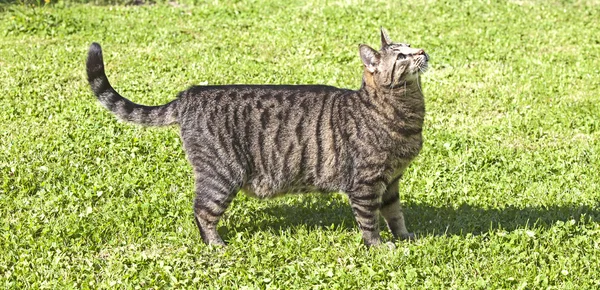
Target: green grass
(505, 193)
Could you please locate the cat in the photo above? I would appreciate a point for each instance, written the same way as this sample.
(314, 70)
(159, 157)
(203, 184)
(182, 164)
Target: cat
(268, 140)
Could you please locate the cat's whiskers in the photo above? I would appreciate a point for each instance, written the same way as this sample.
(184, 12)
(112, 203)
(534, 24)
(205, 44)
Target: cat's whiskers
(419, 83)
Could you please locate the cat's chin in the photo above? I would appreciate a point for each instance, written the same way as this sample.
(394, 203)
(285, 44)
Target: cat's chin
(411, 77)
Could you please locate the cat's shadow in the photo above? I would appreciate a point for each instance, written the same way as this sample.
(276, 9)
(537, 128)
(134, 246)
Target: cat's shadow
(322, 211)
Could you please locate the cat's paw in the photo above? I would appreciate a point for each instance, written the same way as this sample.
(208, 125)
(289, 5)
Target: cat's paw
(408, 237)
(390, 245)
(383, 246)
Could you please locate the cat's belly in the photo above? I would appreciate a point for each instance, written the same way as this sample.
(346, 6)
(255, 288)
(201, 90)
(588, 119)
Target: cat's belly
(264, 191)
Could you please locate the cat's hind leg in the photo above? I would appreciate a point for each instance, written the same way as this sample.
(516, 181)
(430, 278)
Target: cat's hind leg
(216, 186)
(213, 196)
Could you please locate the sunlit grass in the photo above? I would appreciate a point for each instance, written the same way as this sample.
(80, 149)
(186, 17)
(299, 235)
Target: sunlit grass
(504, 195)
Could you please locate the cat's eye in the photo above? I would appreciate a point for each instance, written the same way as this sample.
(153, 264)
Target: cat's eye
(401, 56)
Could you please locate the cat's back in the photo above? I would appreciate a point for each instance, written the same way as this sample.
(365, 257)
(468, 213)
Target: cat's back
(253, 93)
(265, 104)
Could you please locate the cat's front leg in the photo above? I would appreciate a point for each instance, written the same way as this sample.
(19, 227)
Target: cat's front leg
(391, 210)
(365, 204)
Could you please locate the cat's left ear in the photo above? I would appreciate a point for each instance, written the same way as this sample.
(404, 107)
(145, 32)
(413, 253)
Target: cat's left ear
(385, 38)
(370, 57)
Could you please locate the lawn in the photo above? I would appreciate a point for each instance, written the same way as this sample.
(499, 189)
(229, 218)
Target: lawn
(505, 194)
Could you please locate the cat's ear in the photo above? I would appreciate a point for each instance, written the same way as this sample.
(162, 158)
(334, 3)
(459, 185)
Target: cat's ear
(385, 38)
(370, 57)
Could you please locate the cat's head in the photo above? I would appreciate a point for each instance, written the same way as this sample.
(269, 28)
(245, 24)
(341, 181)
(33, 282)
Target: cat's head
(394, 64)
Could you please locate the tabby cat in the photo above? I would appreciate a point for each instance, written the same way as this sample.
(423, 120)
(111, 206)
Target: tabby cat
(272, 139)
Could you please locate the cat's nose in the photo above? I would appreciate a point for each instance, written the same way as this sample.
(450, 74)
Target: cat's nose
(422, 52)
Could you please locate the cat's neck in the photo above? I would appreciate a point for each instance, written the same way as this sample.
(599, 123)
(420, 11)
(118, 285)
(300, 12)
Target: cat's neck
(404, 102)
(402, 92)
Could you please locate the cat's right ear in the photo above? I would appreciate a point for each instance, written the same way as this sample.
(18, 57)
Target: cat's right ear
(385, 38)
(370, 57)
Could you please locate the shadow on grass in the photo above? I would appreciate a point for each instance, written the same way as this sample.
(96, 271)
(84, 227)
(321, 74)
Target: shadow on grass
(324, 211)
(466, 219)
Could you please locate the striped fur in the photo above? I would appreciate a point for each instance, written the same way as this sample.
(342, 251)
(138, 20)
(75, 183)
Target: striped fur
(121, 107)
(269, 140)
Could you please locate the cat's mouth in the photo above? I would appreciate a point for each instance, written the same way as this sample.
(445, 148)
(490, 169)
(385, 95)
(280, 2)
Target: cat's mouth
(420, 62)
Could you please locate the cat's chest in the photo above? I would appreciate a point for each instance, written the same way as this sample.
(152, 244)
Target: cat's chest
(398, 141)
(399, 160)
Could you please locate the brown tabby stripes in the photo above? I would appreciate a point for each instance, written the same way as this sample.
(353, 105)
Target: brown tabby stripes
(269, 140)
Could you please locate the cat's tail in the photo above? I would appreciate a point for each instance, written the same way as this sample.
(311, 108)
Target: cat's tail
(123, 108)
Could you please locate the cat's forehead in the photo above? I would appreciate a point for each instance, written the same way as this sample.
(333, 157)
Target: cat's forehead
(397, 46)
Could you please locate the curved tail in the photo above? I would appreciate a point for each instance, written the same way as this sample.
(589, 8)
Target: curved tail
(123, 108)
